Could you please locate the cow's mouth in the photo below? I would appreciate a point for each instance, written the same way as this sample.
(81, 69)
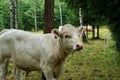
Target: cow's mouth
(78, 49)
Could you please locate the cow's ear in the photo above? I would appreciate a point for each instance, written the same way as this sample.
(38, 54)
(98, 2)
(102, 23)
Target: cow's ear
(56, 32)
(80, 30)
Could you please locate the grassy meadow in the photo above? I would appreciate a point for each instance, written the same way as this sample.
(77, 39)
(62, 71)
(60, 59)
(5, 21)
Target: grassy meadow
(97, 61)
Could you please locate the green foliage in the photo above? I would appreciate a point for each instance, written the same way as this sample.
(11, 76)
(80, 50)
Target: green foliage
(26, 14)
(1, 16)
(4, 14)
(68, 15)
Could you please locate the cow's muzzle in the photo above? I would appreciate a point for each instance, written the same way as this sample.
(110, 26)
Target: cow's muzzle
(78, 46)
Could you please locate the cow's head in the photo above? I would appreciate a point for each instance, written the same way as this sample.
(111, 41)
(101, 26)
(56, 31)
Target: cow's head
(69, 37)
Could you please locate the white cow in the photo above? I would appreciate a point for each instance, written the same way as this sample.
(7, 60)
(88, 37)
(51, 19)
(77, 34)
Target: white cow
(38, 52)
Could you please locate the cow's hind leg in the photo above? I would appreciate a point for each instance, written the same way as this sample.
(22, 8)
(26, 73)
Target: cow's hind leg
(27, 77)
(3, 69)
(18, 73)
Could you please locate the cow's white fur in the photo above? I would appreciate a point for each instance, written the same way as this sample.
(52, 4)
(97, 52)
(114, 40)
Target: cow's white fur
(35, 52)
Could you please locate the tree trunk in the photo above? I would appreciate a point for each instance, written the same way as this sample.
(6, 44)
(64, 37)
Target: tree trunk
(93, 32)
(84, 38)
(16, 13)
(48, 19)
(60, 14)
(97, 31)
(35, 18)
(86, 31)
(48, 15)
(11, 6)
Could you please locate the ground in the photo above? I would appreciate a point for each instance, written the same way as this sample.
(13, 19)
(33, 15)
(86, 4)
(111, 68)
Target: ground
(97, 61)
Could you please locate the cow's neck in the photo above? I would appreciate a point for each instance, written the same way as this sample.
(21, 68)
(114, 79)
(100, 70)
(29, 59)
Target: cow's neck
(64, 53)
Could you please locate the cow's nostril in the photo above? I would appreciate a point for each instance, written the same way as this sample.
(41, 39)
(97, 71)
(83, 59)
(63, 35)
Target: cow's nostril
(79, 46)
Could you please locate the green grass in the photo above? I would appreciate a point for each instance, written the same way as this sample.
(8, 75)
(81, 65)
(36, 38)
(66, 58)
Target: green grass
(97, 61)
(92, 63)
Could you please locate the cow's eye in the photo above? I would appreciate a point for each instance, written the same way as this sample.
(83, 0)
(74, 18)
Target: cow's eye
(67, 36)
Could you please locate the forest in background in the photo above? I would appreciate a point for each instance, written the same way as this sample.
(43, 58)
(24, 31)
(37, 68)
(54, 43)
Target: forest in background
(26, 14)
(94, 12)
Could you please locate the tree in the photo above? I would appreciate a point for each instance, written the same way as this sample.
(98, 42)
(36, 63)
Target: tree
(93, 32)
(84, 38)
(35, 15)
(97, 32)
(16, 13)
(48, 15)
(13, 5)
(48, 19)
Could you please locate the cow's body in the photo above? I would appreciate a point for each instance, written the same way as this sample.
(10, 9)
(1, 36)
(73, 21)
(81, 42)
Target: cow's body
(35, 52)
(88, 28)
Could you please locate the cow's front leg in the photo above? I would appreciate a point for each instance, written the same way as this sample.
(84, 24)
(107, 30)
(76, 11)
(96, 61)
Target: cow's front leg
(43, 76)
(58, 70)
(3, 69)
(49, 74)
